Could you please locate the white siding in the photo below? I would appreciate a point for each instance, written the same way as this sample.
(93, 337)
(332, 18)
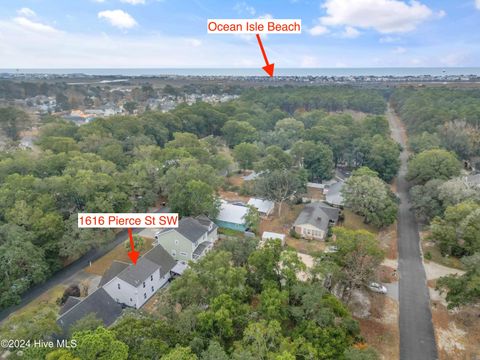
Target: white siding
(157, 283)
(122, 295)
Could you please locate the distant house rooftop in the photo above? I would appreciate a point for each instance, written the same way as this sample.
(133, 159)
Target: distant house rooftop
(252, 176)
(263, 206)
(334, 194)
(318, 214)
(231, 213)
(193, 228)
(474, 180)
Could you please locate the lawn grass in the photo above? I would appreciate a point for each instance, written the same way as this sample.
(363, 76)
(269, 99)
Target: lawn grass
(355, 222)
(432, 253)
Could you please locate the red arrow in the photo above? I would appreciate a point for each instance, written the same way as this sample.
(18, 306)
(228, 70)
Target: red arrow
(269, 67)
(132, 254)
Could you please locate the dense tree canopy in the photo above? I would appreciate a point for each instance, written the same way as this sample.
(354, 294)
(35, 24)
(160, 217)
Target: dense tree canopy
(370, 197)
(433, 164)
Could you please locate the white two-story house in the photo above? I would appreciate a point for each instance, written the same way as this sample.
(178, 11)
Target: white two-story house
(193, 238)
(132, 285)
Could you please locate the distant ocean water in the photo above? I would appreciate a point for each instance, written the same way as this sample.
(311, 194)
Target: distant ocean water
(408, 71)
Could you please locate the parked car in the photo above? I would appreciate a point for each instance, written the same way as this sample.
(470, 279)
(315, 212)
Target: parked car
(378, 288)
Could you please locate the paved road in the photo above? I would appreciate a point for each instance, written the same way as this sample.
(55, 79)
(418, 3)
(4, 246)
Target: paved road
(417, 338)
(64, 274)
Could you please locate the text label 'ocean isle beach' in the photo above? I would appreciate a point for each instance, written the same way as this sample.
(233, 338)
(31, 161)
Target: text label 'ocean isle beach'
(254, 26)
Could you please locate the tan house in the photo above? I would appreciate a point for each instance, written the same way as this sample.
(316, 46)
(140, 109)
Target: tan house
(315, 220)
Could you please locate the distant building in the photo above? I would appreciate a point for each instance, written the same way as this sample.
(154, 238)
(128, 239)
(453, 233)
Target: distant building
(333, 195)
(252, 176)
(272, 236)
(232, 216)
(473, 180)
(193, 238)
(315, 219)
(264, 207)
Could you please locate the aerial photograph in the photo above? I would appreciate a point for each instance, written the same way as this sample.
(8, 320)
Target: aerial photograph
(240, 180)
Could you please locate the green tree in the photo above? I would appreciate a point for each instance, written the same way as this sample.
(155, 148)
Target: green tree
(458, 232)
(21, 264)
(237, 132)
(280, 186)
(273, 304)
(99, 344)
(252, 219)
(359, 255)
(214, 352)
(262, 338)
(196, 198)
(275, 159)
(87, 323)
(317, 159)
(138, 241)
(130, 106)
(246, 154)
(426, 199)
(370, 197)
(264, 264)
(13, 122)
(180, 353)
(210, 277)
(240, 248)
(383, 157)
(433, 164)
(463, 289)
(423, 142)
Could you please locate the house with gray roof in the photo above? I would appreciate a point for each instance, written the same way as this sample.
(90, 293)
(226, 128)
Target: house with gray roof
(333, 194)
(191, 240)
(132, 285)
(315, 220)
(121, 285)
(99, 303)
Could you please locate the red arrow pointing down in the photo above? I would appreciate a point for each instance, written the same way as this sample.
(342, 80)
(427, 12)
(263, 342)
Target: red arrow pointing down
(133, 255)
(269, 68)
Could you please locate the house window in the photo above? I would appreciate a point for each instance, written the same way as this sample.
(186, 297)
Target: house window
(118, 285)
(176, 242)
(144, 295)
(151, 277)
(144, 284)
(183, 253)
(131, 300)
(153, 290)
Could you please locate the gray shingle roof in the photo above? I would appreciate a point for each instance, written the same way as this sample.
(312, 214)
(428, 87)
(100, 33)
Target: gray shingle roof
(71, 302)
(136, 274)
(162, 258)
(198, 251)
(318, 215)
(155, 258)
(191, 228)
(116, 268)
(99, 303)
(334, 194)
